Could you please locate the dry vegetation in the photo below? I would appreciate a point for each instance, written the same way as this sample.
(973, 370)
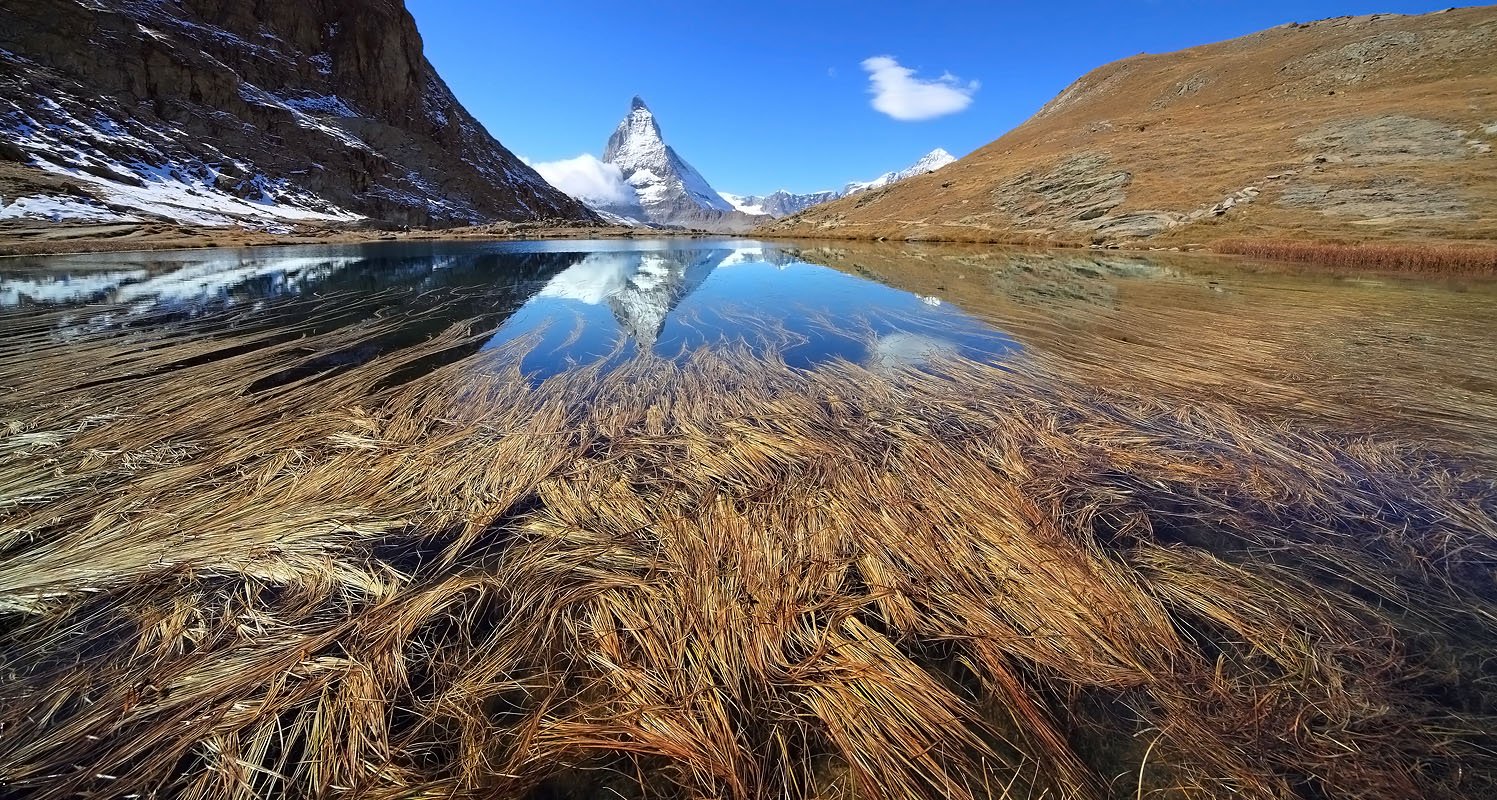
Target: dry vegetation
(716, 578)
(1352, 129)
(1388, 257)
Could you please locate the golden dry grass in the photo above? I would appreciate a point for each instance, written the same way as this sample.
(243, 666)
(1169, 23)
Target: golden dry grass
(1382, 257)
(1198, 125)
(716, 578)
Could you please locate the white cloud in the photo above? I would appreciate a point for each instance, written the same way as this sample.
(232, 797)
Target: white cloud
(897, 92)
(588, 179)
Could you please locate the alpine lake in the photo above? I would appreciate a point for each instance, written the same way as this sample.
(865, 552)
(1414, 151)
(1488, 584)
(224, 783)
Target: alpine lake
(730, 518)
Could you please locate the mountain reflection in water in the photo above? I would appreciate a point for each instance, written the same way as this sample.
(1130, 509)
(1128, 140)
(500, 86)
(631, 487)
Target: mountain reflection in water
(580, 302)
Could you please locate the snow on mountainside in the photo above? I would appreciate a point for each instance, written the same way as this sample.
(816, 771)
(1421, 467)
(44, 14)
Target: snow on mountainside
(664, 188)
(783, 203)
(262, 115)
(930, 162)
(643, 180)
(652, 167)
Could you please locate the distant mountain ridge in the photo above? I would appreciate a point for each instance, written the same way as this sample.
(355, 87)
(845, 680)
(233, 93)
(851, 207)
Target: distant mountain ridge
(260, 114)
(660, 188)
(783, 203)
(930, 162)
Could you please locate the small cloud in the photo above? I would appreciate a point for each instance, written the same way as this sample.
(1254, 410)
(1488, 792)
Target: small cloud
(588, 179)
(831, 72)
(897, 92)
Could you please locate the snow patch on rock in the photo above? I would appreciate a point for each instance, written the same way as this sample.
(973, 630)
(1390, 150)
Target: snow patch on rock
(57, 208)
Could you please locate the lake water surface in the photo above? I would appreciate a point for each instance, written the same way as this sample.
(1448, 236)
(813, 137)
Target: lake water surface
(1418, 352)
(581, 302)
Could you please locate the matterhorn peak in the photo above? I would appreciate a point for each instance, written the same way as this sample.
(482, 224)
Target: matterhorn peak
(666, 185)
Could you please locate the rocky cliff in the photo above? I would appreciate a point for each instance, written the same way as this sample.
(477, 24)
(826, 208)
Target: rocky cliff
(244, 111)
(1376, 127)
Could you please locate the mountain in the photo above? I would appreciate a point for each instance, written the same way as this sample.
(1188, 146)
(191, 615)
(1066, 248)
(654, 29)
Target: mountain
(264, 114)
(783, 203)
(1350, 129)
(666, 189)
(930, 162)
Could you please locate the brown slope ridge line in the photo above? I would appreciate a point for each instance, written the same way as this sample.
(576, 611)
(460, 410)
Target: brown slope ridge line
(1351, 129)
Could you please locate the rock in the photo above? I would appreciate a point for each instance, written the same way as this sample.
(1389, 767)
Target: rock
(1387, 139)
(10, 152)
(1080, 182)
(332, 103)
(1140, 224)
(1381, 198)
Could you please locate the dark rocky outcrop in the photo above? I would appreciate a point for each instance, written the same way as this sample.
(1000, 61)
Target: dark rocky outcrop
(316, 106)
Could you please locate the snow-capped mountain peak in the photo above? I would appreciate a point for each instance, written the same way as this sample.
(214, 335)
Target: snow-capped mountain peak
(930, 162)
(933, 161)
(636, 142)
(665, 183)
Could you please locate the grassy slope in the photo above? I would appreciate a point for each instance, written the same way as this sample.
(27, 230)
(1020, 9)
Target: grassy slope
(1194, 127)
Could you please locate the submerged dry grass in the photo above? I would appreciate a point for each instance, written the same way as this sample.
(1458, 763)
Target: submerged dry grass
(717, 578)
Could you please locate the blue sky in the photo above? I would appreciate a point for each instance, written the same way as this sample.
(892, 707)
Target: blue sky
(772, 93)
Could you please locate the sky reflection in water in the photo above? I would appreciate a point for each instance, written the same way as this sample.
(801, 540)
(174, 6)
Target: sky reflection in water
(583, 300)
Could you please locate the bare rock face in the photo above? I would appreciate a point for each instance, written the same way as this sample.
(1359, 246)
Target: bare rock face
(1379, 199)
(220, 111)
(1390, 139)
(1078, 191)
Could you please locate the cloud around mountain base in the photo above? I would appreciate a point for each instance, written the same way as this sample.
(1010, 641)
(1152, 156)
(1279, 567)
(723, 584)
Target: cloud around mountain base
(587, 178)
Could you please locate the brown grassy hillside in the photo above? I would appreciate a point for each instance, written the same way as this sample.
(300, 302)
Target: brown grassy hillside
(1349, 129)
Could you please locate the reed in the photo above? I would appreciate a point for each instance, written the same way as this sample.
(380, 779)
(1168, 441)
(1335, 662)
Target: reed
(716, 577)
(1426, 258)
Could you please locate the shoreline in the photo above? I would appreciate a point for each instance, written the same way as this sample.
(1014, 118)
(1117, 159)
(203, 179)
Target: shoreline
(1425, 258)
(157, 238)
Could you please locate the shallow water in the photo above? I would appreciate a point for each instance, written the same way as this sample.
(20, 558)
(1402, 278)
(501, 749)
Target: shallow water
(583, 301)
(284, 516)
(1412, 353)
